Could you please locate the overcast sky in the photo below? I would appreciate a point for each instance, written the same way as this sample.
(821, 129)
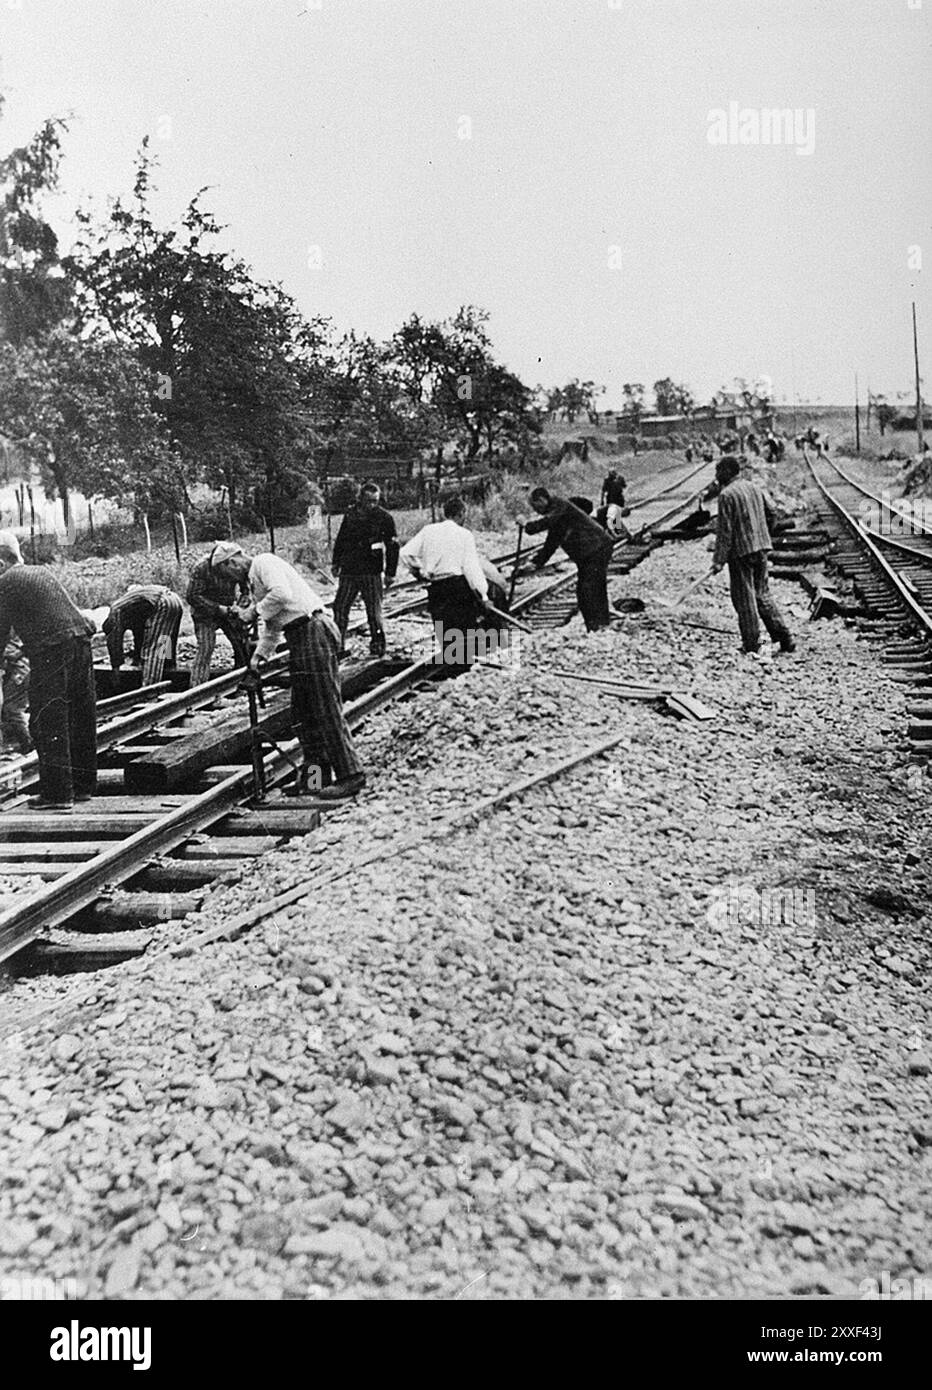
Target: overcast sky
(548, 160)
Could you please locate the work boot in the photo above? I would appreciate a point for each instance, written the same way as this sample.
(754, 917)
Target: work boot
(342, 791)
(377, 645)
(44, 803)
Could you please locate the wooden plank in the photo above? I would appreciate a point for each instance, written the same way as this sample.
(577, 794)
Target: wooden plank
(227, 738)
(286, 820)
(172, 875)
(229, 848)
(46, 869)
(55, 849)
(141, 909)
(71, 824)
(101, 947)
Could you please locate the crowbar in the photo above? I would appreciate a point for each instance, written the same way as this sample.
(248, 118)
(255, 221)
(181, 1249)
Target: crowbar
(696, 584)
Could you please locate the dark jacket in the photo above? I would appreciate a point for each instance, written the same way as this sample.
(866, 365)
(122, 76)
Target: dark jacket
(580, 536)
(366, 543)
(36, 607)
(613, 491)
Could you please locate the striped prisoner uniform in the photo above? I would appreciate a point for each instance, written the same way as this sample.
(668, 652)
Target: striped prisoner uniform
(208, 592)
(286, 605)
(14, 722)
(153, 614)
(742, 542)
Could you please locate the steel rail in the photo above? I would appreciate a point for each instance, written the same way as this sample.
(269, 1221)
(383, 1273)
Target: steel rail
(82, 885)
(902, 586)
(862, 488)
(159, 711)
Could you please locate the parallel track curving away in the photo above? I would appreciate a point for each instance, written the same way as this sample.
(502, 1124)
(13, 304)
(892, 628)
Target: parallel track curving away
(905, 569)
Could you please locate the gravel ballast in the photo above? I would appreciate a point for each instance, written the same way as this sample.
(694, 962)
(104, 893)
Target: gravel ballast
(655, 1028)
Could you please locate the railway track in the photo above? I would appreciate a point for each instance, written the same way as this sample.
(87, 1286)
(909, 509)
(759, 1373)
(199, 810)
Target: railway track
(892, 581)
(175, 810)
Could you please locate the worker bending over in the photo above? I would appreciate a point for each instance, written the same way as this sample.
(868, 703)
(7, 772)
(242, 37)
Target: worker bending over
(742, 541)
(212, 600)
(443, 555)
(613, 500)
(585, 542)
(56, 638)
(286, 606)
(152, 613)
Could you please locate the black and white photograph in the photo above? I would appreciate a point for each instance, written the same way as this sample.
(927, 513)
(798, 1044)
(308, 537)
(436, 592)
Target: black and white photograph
(466, 659)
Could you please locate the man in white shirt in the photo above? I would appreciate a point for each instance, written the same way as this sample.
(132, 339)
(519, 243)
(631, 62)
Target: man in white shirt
(444, 556)
(286, 606)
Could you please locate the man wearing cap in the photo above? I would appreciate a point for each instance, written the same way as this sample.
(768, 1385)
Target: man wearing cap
(212, 597)
(152, 613)
(56, 638)
(287, 607)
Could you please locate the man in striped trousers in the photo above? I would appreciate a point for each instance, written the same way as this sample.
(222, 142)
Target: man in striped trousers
(286, 606)
(153, 614)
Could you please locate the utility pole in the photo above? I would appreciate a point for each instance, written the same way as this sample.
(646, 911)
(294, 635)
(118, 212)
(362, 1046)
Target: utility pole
(857, 417)
(918, 388)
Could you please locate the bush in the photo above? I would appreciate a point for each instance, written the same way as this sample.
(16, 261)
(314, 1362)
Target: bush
(341, 494)
(210, 523)
(312, 553)
(292, 494)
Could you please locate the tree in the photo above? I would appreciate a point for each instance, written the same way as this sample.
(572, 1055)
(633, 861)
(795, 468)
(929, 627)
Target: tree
(234, 361)
(574, 398)
(448, 368)
(81, 411)
(362, 406)
(633, 394)
(34, 294)
(667, 395)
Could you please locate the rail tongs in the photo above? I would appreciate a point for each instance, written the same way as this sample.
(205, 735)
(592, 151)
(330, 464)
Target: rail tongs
(251, 683)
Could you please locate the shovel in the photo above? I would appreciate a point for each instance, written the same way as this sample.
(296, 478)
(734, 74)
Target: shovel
(696, 584)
